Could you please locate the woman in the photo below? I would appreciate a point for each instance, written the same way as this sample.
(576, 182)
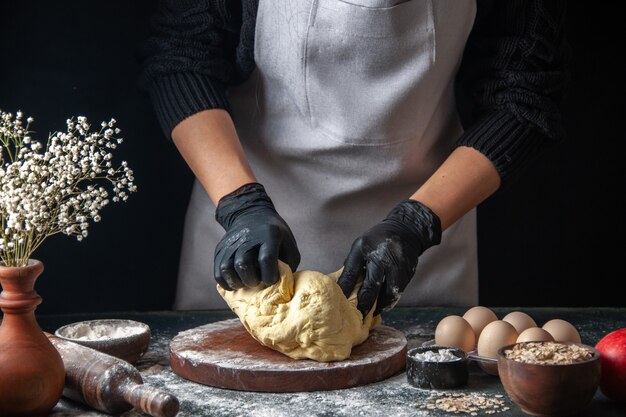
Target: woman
(345, 113)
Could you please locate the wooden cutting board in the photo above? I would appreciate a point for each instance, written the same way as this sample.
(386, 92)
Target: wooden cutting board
(224, 355)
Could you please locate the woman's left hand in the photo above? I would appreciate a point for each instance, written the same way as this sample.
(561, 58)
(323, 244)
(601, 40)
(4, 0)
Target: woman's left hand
(385, 257)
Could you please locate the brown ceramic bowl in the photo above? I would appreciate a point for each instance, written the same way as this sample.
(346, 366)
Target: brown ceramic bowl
(550, 390)
(124, 339)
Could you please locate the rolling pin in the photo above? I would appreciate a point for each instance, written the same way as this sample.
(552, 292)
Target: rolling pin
(109, 384)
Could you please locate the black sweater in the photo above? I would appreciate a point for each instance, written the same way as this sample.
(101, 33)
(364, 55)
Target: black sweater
(511, 78)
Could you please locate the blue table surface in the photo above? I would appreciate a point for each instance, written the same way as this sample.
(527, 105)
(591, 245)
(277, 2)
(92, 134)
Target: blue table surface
(391, 397)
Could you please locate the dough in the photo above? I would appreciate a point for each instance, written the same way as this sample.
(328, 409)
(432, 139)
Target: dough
(304, 315)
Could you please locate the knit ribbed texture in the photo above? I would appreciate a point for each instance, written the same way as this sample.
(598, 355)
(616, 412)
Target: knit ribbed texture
(180, 95)
(514, 71)
(504, 140)
(192, 54)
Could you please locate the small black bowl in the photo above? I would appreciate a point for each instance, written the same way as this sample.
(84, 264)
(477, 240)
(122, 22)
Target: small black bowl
(437, 375)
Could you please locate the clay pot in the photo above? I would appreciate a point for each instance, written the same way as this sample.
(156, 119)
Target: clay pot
(31, 370)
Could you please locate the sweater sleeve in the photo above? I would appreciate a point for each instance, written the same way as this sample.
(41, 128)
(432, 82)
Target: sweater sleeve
(513, 75)
(189, 57)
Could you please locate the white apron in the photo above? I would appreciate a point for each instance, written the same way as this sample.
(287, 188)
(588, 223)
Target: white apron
(350, 109)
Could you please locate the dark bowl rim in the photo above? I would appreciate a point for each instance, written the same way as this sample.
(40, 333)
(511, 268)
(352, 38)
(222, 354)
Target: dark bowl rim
(595, 357)
(110, 341)
(412, 358)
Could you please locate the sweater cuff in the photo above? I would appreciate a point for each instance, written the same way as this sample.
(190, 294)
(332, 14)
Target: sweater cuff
(178, 96)
(504, 140)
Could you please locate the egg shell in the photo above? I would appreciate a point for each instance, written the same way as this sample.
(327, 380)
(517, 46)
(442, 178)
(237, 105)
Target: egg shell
(534, 334)
(521, 321)
(478, 317)
(562, 331)
(455, 331)
(495, 335)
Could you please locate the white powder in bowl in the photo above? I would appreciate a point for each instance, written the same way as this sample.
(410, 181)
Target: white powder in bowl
(99, 331)
(441, 355)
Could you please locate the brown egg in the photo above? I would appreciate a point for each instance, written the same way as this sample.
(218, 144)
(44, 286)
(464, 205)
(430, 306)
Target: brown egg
(495, 335)
(454, 331)
(534, 334)
(562, 331)
(521, 321)
(478, 317)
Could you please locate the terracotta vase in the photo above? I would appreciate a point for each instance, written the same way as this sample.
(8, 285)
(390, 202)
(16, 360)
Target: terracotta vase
(31, 370)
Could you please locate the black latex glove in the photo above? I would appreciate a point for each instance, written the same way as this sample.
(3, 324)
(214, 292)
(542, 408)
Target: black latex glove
(256, 238)
(385, 257)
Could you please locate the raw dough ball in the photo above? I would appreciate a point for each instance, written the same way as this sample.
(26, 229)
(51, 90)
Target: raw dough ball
(304, 315)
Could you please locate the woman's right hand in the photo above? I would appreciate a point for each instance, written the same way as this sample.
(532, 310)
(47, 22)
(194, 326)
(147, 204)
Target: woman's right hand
(256, 238)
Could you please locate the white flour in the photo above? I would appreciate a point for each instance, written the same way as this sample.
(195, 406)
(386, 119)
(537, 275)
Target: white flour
(441, 355)
(100, 331)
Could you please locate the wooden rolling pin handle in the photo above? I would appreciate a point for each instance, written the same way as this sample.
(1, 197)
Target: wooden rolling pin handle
(151, 400)
(108, 383)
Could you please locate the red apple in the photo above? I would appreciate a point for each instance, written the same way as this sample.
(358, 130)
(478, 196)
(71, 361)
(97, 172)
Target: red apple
(612, 349)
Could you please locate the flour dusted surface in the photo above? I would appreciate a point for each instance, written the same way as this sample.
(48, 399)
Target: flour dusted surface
(189, 344)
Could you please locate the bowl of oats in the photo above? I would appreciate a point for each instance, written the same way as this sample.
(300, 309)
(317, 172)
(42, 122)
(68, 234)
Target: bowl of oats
(549, 378)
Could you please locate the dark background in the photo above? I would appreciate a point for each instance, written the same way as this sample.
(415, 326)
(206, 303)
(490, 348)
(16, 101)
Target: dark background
(555, 237)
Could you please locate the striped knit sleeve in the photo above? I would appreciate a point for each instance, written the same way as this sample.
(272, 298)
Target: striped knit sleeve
(189, 57)
(513, 75)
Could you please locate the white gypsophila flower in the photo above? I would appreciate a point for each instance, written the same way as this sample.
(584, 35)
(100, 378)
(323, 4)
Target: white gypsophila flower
(57, 188)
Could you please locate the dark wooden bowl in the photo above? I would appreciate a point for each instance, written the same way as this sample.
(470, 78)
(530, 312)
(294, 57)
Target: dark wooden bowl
(550, 390)
(129, 347)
